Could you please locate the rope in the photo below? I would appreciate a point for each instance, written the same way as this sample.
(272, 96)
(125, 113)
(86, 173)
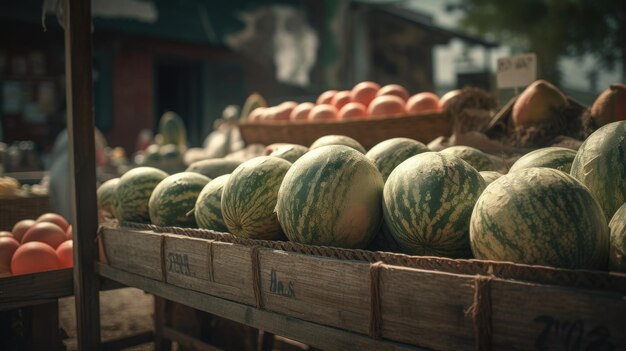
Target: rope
(210, 271)
(480, 312)
(163, 260)
(256, 276)
(375, 321)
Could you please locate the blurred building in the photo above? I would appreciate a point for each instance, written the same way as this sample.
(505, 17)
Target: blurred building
(195, 57)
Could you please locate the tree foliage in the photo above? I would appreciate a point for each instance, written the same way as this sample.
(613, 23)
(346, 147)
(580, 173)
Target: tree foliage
(552, 29)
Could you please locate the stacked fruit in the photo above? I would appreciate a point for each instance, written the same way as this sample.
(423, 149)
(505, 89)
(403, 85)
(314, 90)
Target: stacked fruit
(552, 208)
(36, 245)
(364, 100)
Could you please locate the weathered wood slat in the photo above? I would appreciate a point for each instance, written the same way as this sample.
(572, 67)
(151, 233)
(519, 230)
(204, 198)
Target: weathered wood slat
(532, 316)
(427, 308)
(315, 289)
(139, 253)
(80, 124)
(316, 335)
(32, 289)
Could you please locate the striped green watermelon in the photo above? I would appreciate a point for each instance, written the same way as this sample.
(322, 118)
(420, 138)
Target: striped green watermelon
(107, 198)
(331, 196)
(490, 176)
(551, 157)
(173, 199)
(172, 129)
(249, 198)
(473, 156)
(337, 140)
(208, 209)
(388, 154)
(540, 216)
(600, 164)
(289, 152)
(428, 201)
(171, 159)
(133, 193)
(214, 167)
(152, 156)
(617, 255)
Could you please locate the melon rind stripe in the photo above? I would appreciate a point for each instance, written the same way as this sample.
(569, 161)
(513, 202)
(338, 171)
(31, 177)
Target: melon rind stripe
(388, 154)
(428, 201)
(208, 208)
(331, 197)
(539, 216)
(133, 193)
(249, 198)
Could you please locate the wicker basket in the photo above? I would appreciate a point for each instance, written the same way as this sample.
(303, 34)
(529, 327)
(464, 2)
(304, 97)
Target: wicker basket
(16, 209)
(369, 132)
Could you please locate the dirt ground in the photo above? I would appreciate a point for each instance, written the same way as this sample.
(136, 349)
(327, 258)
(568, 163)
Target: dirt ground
(123, 312)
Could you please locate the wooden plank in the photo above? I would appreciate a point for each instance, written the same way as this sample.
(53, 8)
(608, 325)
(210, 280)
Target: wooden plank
(426, 308)
(161, 320)
(128, 341)
(203, 265)
(335, 292)
(531, 316)
(43, 323)
(32, 289)
(79, 95)
(187, 341)
(138, 253)
(316, 335)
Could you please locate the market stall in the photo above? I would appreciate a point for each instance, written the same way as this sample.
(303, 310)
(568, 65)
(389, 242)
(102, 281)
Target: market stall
(335, 296)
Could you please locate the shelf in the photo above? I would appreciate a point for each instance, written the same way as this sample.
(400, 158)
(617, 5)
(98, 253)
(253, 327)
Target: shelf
(33, 289)
(315, 335)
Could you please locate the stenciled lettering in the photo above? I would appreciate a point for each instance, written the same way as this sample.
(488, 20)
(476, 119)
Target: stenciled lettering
(280, 288)
(178, 263)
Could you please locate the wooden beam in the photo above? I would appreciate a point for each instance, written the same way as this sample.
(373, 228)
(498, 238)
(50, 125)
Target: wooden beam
(128, 341)
(32, 289)
(187, 342)
(78, 71)
(313, 334)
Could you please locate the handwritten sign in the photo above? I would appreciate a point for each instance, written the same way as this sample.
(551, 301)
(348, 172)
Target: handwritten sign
(280, 288)
(572, 335)
(178, 263)
(516, 71)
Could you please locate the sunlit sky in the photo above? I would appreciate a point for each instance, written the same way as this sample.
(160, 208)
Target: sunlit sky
(574, 70)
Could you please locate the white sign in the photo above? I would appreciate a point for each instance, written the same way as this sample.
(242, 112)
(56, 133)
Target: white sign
(516, 71)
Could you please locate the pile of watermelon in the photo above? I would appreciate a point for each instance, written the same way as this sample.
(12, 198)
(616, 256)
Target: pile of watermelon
(554, 206)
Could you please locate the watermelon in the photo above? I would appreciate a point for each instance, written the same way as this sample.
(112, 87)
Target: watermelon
(617, 226)
(490, 176)
(171, 158)
(174, 198)
(107, 198)
(133, 193)
(476, 158)
(540, 216)
(600, 164)
(388, 154)
(249, 198)
(331, 196)
(172, 129)
(214, 167)
(427, 204)
(551, 157)
(152, 156)
(337, 140)
(289, 152)
(208, 209)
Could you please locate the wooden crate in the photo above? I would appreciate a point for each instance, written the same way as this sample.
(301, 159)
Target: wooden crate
(369, 132)
(15, 209)
(428, 302)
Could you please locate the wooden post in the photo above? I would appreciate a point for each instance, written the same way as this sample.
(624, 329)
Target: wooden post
(78, 73)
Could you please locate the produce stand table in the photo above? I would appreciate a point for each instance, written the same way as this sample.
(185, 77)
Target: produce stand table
(337, 299)
(329, 298)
